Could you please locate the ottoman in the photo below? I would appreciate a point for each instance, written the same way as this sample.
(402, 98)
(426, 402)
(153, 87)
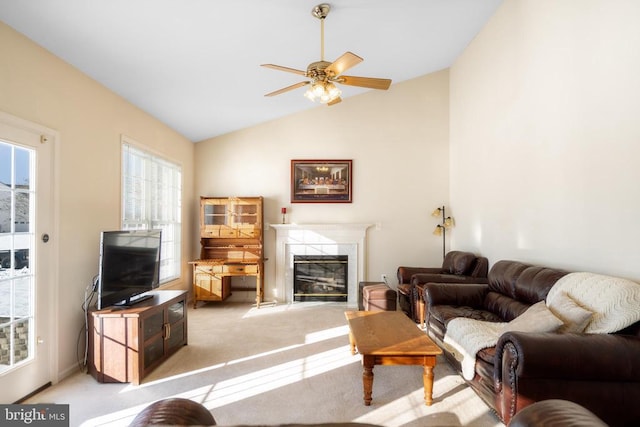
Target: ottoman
(361, 286)
(379, 297)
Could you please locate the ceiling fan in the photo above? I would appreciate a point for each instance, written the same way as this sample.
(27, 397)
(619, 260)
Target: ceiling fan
(324, 74)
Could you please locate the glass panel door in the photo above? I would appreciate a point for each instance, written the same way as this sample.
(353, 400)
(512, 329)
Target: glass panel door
(16, 245)
(27, 284)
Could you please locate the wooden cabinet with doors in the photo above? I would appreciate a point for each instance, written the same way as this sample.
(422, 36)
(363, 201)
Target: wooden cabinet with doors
(231, 240)
(125, 344)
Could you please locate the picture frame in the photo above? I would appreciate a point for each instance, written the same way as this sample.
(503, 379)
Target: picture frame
(321, 181)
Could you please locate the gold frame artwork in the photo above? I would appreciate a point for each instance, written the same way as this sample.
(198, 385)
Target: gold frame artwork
(321, 181)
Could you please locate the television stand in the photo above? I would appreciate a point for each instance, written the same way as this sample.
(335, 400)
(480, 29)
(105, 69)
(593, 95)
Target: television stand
(127, 343)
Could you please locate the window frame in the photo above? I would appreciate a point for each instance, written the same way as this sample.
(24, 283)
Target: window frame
(150, 211)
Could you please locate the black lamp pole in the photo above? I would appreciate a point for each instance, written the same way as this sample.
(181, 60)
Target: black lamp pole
(444, 234)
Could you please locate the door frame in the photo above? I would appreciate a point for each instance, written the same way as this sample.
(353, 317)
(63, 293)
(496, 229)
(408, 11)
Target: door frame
(50, 136)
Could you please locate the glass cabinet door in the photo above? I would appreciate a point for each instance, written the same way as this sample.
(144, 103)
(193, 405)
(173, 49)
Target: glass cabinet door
(153, 325)
(175, 317)
(153, 352)
(176, 312)
(176, 337)
(214, 214)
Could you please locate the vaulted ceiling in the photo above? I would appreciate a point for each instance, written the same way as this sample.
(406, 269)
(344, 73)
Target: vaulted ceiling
(195, 64)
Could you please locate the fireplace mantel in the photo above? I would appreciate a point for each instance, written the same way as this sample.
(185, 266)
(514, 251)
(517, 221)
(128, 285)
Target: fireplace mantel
(309, 239)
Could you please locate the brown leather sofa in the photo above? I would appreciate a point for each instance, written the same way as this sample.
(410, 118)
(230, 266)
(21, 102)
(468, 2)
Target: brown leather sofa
(178, 411)
(185, 412)
(547, 413)
(598, 371)
(457, 267)
(556, 413)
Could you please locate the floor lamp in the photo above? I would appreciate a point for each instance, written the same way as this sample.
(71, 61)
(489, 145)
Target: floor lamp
(441, 229)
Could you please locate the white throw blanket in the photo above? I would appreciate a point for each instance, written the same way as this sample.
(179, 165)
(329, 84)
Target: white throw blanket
(466, 337)
(614, 301)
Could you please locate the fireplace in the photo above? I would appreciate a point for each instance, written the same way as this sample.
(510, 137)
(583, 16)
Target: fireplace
(319, 239)
(320, 277)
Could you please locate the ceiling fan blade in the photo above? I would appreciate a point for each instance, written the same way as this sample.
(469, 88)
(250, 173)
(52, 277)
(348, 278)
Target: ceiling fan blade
(287, 89)
(335, 101)
(287, 69)
(369, 82)
(342, 64)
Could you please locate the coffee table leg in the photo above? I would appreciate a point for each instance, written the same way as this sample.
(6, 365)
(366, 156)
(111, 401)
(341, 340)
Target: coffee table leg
(352, 343)
(427, 379)
(367, 378)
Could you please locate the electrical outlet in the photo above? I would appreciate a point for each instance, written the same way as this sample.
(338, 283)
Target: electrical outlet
(384, 277)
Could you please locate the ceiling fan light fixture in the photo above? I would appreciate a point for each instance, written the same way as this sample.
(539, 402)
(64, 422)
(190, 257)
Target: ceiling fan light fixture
(331, 93)
(318, 89)
(324, 92)
(333, 90)
(309, 95)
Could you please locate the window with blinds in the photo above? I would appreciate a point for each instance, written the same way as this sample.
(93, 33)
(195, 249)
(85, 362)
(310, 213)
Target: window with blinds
(151, 199)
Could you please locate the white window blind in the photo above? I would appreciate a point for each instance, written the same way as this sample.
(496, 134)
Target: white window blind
(151, 199)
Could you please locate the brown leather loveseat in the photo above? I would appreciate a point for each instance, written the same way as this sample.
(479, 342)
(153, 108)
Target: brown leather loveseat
(457, 267)
(600, 371)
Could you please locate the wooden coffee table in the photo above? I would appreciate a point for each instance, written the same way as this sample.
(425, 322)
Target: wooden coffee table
(391, 338)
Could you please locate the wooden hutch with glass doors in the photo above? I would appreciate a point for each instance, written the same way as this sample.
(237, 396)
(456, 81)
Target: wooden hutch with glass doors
(231, 240)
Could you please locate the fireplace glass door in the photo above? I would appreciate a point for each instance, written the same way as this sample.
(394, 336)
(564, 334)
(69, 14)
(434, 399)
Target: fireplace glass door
(320, 277)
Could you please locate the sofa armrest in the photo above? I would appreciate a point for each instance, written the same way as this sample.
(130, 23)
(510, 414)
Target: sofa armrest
(584, 357)
(404, 273)
(598, 371)
(463, 294)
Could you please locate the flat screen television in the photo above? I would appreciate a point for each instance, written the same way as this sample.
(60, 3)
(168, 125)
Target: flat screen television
(129, 266)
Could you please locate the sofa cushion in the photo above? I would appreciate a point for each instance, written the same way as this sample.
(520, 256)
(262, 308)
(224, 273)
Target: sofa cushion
(504, 307)
(503, 276)
(460, 263)
(575, 317)
(614, 301)
(537, 318)
(444, 313)
(534, 283)
(465, 337)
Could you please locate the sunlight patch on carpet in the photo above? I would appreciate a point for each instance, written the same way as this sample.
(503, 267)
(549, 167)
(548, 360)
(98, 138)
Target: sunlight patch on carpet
(326, 334)
(245, 386)
(449, 396)
(265, 380)
(310, 338)
(274, 308)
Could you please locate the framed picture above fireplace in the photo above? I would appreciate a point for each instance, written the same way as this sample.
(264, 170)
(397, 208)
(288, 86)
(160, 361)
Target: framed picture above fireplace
(321, 181)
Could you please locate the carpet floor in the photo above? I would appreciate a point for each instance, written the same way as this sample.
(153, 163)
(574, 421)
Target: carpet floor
(275, 365)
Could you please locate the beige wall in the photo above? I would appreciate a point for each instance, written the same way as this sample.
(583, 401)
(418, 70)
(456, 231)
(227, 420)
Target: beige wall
(37, 86)
(398, 141)
(534, 129)
(545, 136)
